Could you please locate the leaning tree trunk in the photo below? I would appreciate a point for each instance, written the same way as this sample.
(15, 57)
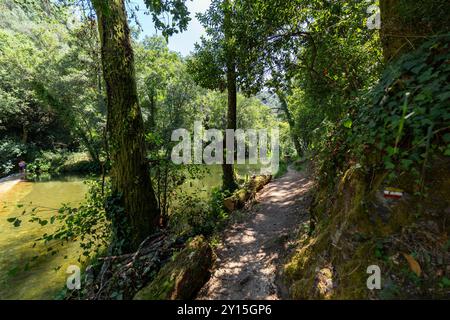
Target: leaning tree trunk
(229, 179)
(130, 174)
(291, 121)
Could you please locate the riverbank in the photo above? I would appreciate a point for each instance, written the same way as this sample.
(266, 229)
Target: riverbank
(8, 183)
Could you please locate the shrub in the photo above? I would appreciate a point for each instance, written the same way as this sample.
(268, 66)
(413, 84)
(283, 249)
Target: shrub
(47, 162)
(193, 215)
(399, 124)
(10, 152)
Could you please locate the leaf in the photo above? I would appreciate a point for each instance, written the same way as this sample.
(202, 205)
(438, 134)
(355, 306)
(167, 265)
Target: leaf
(447, 137)
(413, 264)
(389, 165)
(406, 163)
(348, 124)
(445, 282)
(391, 151)
(444, 96)
(17, 223)
(427, 75)
(417, 69)
(447, 151)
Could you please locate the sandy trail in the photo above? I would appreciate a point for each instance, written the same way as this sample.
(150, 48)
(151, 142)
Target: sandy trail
(252, 251)
(7, 183)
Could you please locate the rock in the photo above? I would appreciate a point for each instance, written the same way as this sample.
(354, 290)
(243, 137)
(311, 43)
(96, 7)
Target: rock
(381, 207)
(241, 196)
(244, 281)
(181, 278)
(324, 283)
(229, 204)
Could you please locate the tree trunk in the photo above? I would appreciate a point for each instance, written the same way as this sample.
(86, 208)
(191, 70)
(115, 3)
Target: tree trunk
(24, 134)
(405, 24)
(92, 150)
(130, 174)
(390, 39)
(229, 178)
(152, 121)
(291, 121)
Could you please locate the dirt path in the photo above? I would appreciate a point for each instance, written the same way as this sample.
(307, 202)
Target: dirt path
(7, 183)
(252, 251)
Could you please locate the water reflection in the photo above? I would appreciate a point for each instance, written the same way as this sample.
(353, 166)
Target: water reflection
(46, 276)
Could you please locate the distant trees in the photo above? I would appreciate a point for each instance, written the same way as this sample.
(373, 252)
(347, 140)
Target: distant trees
(223, 60)
(50, 87)
(214, 65)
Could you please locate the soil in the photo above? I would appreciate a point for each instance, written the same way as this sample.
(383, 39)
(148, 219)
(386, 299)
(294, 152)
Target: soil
(253, 250)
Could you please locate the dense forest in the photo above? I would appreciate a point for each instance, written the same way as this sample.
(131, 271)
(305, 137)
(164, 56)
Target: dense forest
(358, 93)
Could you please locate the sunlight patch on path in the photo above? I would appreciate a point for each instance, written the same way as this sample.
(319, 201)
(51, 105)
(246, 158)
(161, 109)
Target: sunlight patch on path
(250, 254)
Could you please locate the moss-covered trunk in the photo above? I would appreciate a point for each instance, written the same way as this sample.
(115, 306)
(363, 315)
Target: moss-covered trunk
(240, 197)
(130, 175)
(390, 38)
(405, 24)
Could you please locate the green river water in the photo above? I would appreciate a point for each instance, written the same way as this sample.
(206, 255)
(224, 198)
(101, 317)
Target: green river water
(46, 276)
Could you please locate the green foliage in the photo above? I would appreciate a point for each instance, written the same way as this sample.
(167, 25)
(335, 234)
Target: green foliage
(10, 152)
(408, 120)
(120, 241)
(432, 16)
(193, 215)
(227, 43)
(340, 59)
(445, 282)
(87, 224)
(317, 54)
(80, 163)
(49, 79)
(176, 9)
(61, 161)
(206, 68)
(47, 162)
(399, 125)
(283, 168)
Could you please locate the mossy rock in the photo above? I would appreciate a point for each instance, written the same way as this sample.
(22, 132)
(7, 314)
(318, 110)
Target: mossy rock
(352, 234)
(181, 278)
(241, 196)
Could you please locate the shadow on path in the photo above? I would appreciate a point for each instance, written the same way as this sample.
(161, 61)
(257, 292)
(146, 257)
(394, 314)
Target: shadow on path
(252, 251)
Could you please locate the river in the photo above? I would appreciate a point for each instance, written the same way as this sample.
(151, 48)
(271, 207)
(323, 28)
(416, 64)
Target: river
(46, 275)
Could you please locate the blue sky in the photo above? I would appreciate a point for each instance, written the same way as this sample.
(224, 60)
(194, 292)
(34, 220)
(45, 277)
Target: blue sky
(182, 42)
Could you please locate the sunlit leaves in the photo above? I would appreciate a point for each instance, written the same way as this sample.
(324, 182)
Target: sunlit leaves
(170, 16)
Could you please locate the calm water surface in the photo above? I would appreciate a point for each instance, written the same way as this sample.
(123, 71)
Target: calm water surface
(43, 280)
(46, 276)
